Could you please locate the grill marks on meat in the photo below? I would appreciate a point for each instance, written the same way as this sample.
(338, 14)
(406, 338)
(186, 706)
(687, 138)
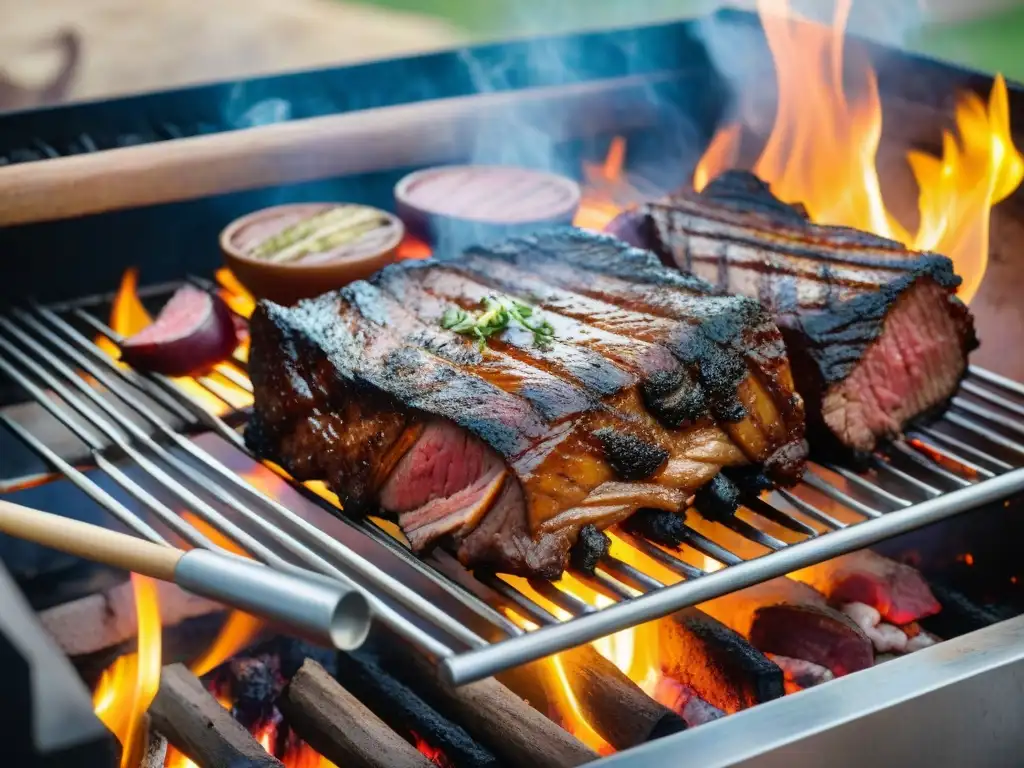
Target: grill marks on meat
(875, 333)
(510, 449)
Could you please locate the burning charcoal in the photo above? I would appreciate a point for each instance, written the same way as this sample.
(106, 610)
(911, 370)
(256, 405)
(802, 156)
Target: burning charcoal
(791, 619)
(338, 726)
(590, 547)
(897, 591)
(667, 528)
(721, 666)
(959, 614)
(292, 653)
(512, 730)
(196, 724)
(802, 674)
(616, 707)
(406, 713)
(253, 684)
(886, 638)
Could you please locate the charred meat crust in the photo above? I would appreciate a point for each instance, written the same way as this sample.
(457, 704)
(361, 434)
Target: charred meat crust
(833, 292)
(590, 547)
(716, 348)
(353, 384)
(631, 457)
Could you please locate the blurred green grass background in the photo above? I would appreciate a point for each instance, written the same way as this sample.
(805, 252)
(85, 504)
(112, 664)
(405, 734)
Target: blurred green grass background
(994, 43)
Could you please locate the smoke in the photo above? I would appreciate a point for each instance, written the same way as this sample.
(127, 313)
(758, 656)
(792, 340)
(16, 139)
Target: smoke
(525, 137)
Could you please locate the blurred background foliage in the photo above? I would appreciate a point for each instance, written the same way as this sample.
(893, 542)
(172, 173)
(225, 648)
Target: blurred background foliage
(984, 34)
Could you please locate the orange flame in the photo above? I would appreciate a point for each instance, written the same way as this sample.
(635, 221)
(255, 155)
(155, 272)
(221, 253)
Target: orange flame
(127, 315)
(606, 192)
(720, 154)
(823, 147)
(128, 686)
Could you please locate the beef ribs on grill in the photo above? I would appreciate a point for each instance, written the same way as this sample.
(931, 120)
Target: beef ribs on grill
(875, 333)
(651, 384)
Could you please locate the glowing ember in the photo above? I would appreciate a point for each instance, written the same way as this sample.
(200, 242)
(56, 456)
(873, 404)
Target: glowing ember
(433, 754)
(822, 149)
(128, 686)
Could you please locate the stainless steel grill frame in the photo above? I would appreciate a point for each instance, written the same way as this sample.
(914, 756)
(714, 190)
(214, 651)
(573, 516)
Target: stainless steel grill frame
(974, 455)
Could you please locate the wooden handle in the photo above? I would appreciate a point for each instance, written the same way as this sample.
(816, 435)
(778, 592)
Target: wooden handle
(345, 144)
(91, 542)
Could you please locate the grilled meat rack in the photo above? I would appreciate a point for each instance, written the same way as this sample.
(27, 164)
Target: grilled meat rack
(955, 703)
(958, 464)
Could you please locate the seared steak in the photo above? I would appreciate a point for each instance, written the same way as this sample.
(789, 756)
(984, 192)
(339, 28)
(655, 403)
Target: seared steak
(650, 385)
(875, 333)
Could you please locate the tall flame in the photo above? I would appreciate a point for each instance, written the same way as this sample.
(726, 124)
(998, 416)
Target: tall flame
(128, 686)
(824, 143)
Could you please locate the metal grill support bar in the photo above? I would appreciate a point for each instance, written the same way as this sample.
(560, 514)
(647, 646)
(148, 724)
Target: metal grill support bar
(479, 664)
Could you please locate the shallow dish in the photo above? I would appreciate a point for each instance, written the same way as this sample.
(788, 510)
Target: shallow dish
(290, 252)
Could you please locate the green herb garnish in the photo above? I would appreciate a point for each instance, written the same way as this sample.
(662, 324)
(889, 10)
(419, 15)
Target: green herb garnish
(497, 313)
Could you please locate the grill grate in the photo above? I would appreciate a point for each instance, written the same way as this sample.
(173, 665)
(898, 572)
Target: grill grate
(972, 456)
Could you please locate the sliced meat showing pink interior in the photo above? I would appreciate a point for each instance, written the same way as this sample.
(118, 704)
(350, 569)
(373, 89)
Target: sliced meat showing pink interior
(446, 459)
(910, 369)
(445, 482)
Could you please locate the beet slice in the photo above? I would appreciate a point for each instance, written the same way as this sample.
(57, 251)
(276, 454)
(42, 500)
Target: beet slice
(194, 331)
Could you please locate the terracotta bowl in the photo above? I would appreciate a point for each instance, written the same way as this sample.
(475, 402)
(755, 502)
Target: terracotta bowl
(313, 274)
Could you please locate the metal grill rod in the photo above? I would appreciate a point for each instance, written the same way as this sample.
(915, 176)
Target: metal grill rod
(350, 559)
(398, 622)
(478, 664)
(617, 579)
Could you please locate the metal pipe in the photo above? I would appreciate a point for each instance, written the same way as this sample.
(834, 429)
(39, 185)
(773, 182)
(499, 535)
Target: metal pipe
(322, 608)
(345, 556)
(478, 664)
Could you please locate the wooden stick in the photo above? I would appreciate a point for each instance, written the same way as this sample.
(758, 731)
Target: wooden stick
(339, 727)
(88, 541)
(199, 727)
(496, 717)
(617, 709)
(404, 711)
(345, 144)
